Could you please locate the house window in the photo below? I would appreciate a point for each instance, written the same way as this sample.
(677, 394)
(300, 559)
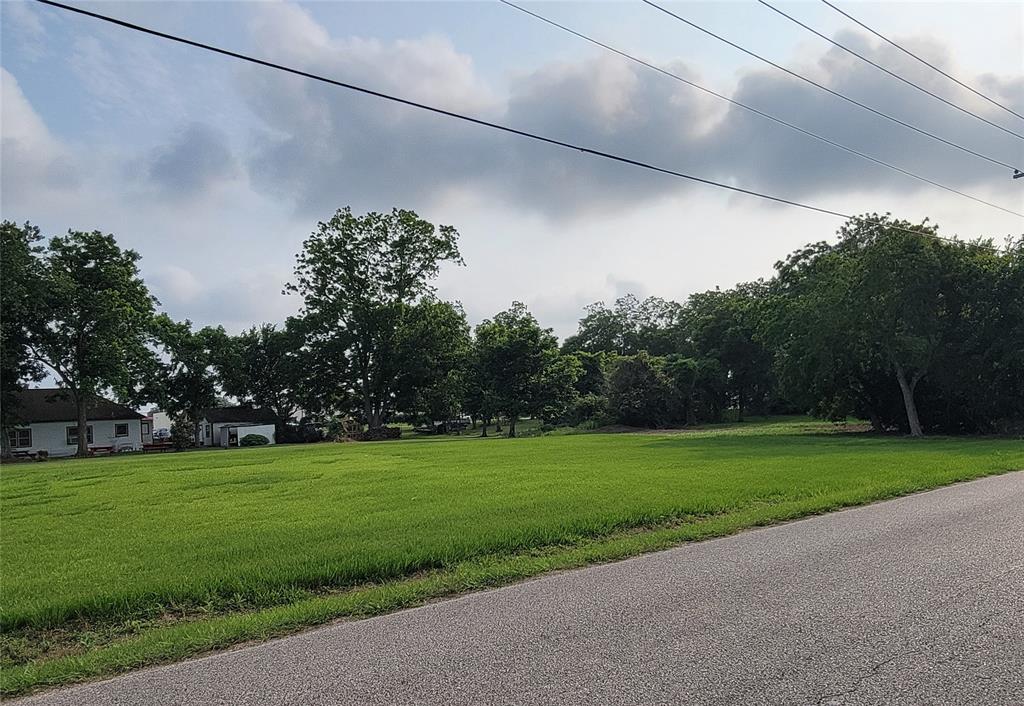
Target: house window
(19, 438)
(209, 431)
(145, 428)
(72, 435)
(120, 430)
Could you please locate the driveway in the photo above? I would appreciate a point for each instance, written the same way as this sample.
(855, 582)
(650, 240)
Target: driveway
(911, 601)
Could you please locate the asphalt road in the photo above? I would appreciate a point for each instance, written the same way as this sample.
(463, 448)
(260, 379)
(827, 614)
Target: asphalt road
(918, 600)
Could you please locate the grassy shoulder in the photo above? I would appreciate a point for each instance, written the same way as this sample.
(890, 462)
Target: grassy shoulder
(114, 564)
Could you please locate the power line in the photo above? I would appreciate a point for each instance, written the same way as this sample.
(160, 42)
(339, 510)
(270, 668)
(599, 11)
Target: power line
(754, 110)
(923, 61)
(829, 90)
(476, 121)
(890, 73)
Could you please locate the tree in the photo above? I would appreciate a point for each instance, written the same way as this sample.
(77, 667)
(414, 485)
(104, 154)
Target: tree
(358, 276)
(682, 374)
(639, 393)
(20, 294)
(898, 300)
(94, 321)
(324, 388)
(555, 394)
(513, 364)
(184, 384)
(262, 366)
(593, 377)
(630, 327)
(723, 325)
(865, 322)
(433, 354)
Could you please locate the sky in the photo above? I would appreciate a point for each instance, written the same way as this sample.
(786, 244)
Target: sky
(215, 170)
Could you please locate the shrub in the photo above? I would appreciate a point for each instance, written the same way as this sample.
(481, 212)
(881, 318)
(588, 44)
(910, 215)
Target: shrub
(590, 408)
(379, 434)
(299, 434)
(253, 440)
(182, 433)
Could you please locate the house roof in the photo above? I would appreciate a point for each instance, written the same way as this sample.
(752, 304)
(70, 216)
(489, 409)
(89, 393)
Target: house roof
(56, 405)
(250, 415)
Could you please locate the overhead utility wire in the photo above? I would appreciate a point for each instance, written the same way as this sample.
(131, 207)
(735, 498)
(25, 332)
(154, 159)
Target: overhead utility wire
(924, 61)
(895, 75)
(829, 90)
(756, 111)
(476, 121)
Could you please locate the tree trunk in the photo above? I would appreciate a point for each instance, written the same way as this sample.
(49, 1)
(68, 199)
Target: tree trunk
(876, 421)
(512, 427)
(371, 418)
(81, 403)
(907, 388)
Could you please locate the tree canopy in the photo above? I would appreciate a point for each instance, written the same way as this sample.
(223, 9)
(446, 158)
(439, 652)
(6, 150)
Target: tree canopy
(93, 318)
(359, 277)
(888, 323)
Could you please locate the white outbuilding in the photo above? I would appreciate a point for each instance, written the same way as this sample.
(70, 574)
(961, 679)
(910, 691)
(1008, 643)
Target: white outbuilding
(219, 425)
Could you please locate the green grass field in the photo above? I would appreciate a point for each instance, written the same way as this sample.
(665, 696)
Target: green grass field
(109, 564)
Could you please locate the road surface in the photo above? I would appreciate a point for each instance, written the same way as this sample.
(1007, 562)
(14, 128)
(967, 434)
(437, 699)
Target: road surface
(911, 601)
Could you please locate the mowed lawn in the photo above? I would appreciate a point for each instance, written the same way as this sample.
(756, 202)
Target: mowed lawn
(132, 537)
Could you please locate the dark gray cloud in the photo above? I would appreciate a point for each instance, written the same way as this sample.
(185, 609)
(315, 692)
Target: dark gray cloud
(323, 146)
(198, 158)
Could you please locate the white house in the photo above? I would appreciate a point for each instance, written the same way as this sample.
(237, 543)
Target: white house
(48, 421)
(222, 426)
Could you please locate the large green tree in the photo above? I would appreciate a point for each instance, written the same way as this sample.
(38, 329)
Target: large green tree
(518, 366)
(639, 392)
(890, 316)
(95, 320)
(433, 351)
(183, 383)
(21, 291)
(262, 366)
(630, 326)
(724, 326)
(358, 276)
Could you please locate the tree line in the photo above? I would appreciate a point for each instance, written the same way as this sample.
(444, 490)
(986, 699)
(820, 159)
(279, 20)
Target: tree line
(888, 324)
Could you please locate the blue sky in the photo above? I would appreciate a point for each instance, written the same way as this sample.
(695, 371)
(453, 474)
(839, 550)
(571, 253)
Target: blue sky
(215, 171)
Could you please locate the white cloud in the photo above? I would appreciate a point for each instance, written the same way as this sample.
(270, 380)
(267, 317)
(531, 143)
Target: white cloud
(33, 160)
(175, 285)
(28, 28)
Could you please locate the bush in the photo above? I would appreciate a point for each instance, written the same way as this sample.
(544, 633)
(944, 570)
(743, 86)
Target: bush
(299, 434)
(183, 435)
(253, 440)
(590, 408)
(379, 434)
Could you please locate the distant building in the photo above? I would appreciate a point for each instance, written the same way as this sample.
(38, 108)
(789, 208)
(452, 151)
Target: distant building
(223, 426)
(161, 420)
(48, 421)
